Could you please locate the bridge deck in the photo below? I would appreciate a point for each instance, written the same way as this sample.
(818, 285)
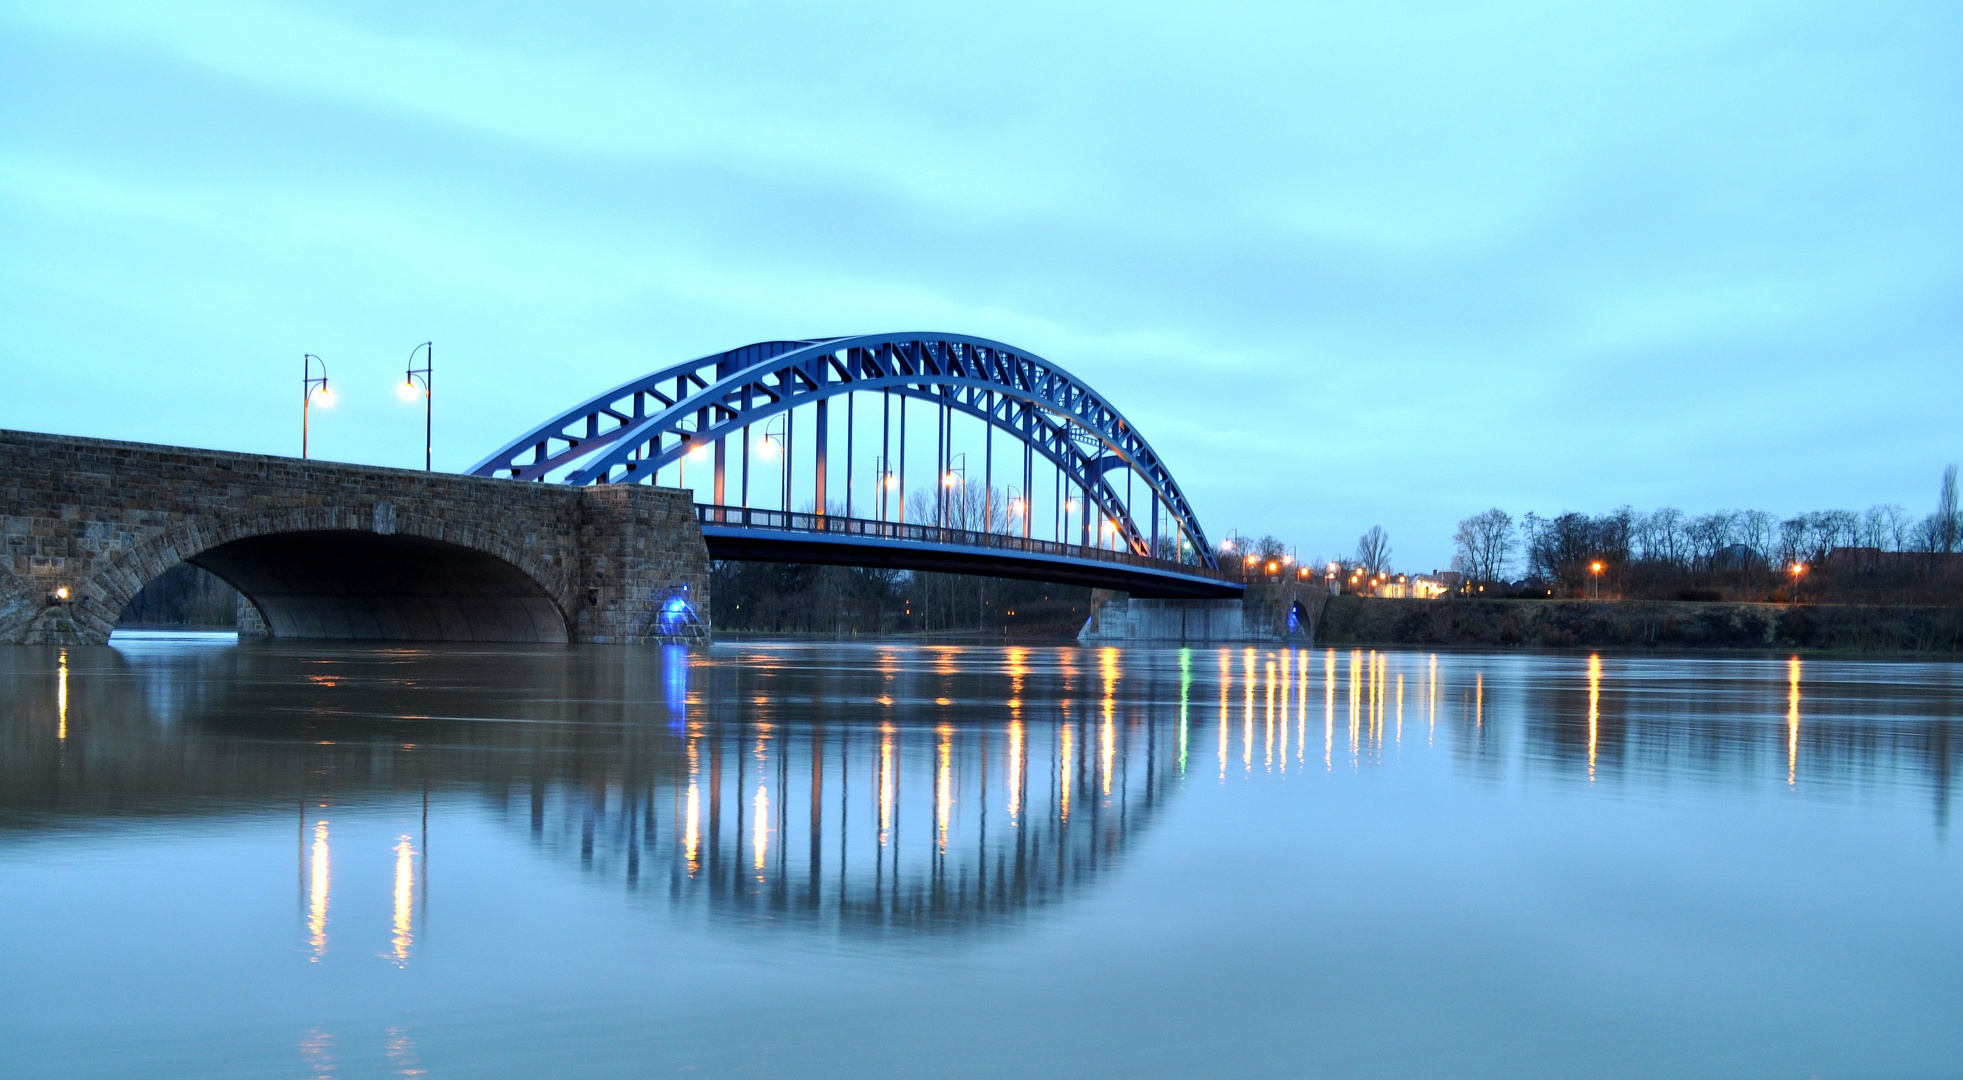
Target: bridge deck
(734, 532)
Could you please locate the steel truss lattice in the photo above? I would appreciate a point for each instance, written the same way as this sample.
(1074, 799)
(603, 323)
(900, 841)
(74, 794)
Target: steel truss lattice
(629, 433)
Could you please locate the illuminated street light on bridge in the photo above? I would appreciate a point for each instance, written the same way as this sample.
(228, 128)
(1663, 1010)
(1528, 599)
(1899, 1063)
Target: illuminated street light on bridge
(417, 379)
(311, 390)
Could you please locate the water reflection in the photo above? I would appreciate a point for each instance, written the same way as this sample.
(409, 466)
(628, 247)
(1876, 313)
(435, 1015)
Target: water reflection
(404, 908)
(317, 880)
(884, 787)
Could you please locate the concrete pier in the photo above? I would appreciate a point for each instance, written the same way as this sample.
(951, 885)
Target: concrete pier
(1271, 613)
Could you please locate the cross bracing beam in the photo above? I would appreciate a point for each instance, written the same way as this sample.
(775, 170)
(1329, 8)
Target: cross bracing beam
(629, 433)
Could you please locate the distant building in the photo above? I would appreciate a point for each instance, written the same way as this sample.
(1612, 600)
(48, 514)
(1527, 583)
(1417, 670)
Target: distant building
(1737, 557)
(1415, 586)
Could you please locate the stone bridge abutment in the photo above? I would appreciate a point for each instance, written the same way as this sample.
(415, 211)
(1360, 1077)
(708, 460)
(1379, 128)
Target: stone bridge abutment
(326, 550)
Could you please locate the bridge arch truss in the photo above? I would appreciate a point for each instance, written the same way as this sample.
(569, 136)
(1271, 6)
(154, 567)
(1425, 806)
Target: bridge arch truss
(692, 410)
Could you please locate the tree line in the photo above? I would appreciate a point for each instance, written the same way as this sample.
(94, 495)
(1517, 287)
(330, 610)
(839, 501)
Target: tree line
(1884, 552)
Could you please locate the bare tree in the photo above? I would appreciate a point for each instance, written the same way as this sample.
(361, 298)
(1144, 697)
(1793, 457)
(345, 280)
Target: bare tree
(1708, 535)
(1373, 550)
(1485, 544)
(1900, 527)
(1755, 530)
(1660, 534)
(1792, 540)
(1949, 526)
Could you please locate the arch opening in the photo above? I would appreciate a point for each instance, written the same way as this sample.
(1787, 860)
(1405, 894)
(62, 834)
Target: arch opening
(364, 586)
(184, 597)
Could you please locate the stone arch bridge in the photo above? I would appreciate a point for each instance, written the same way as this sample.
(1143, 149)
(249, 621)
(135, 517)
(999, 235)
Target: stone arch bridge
(324, 550)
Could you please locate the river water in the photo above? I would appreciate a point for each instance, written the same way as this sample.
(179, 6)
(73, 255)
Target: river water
(919, 861)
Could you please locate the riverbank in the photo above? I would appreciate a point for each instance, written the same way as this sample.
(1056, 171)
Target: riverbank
(1659, 624)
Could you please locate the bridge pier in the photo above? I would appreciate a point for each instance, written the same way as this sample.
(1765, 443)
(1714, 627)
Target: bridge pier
(325, 550)
(1262, 615)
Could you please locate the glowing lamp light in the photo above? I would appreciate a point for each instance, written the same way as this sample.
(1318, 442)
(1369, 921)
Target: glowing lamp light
(1226, 545)
(892, 481)
(767, 448)
(948, 480)
(1595, 567)
(407, 391)
(324, 397)
(1252, 559)
(61, 593)
(1272, 567)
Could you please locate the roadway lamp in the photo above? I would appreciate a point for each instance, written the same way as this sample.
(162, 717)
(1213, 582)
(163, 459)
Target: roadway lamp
(312, 389)
(417, 379)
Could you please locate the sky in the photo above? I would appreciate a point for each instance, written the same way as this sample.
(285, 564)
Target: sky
(1343, 265)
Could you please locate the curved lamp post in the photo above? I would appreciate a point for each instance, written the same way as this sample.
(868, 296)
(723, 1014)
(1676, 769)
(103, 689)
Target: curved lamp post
(310, 388)
(416, 380)
(776, 442)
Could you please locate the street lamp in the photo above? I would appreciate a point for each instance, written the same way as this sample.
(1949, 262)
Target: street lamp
(1595, 568)
(1798, 568)
(416, 379)
(955, 477)
(698, 452)
(311, 388)
(882, 468)
(776, 443)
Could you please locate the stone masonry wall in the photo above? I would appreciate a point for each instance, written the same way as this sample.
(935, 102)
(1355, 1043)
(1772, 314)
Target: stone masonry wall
(98, 519)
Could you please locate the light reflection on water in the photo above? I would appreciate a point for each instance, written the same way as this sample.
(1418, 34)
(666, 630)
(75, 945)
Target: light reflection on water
(952, 805)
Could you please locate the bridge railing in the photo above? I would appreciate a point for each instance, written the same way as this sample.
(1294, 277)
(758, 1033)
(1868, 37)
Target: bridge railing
(740, 517)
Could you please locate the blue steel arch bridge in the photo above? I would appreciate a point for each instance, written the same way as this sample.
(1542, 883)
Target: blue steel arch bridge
(814, 451)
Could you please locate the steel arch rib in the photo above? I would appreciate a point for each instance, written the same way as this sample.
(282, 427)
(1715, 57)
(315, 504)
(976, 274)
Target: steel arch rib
(1021, 393)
